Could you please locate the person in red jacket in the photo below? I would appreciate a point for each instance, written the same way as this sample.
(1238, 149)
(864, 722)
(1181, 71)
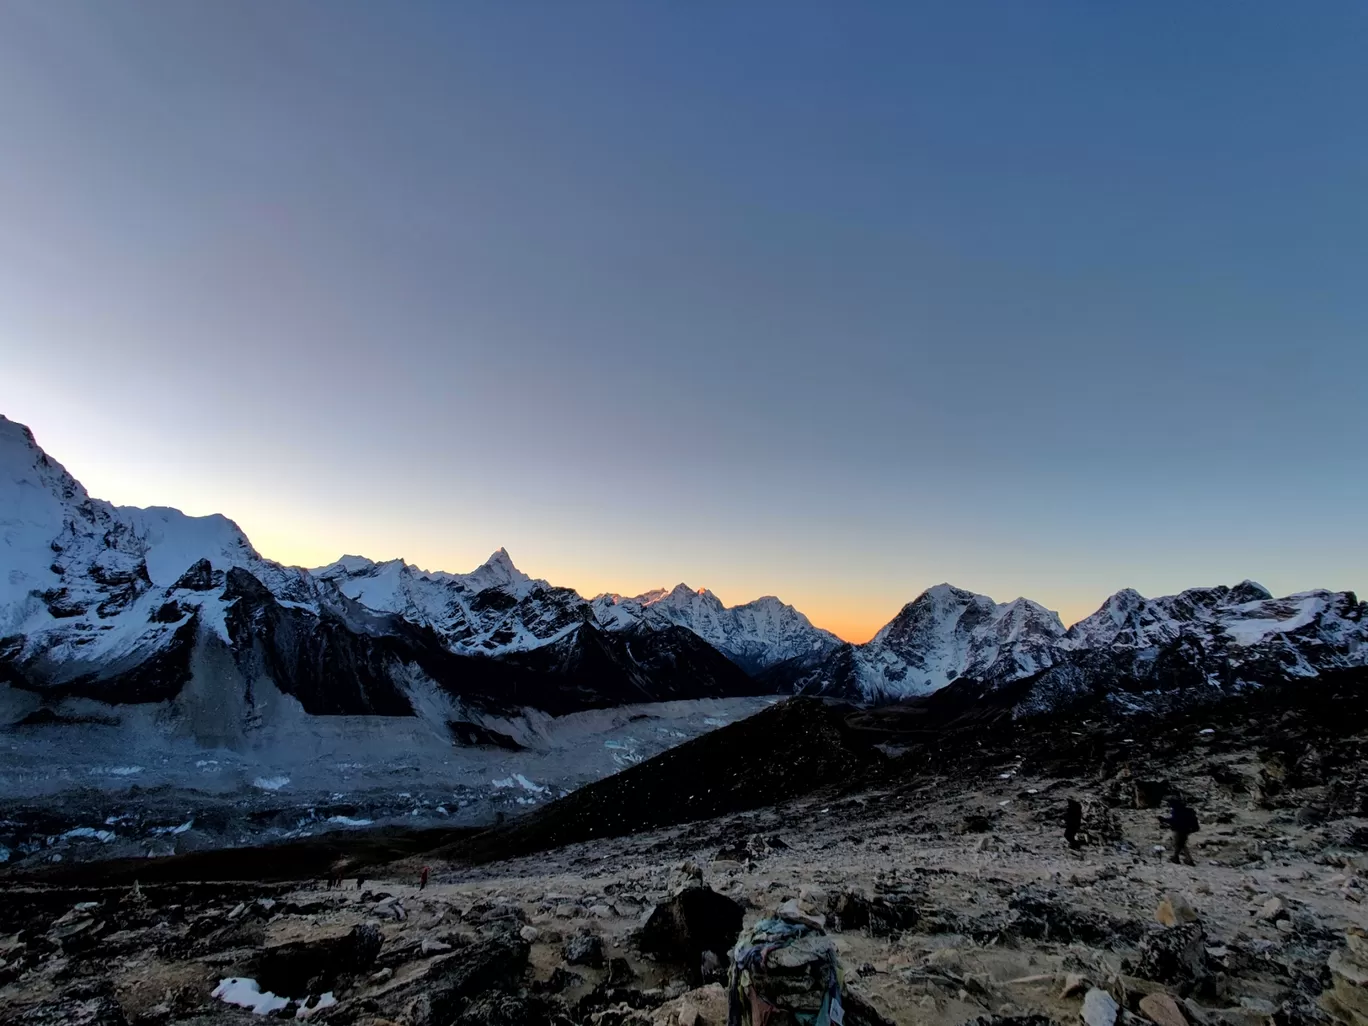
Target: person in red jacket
(422, 878)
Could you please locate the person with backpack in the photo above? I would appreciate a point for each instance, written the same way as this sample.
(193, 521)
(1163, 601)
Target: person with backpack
(1183, 822)
(1073, 821)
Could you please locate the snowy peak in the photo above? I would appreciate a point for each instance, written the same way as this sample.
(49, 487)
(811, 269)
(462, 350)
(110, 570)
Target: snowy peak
(755, 635)
(1243, 615)
(948, 633)
(497, 571)
(494, 609)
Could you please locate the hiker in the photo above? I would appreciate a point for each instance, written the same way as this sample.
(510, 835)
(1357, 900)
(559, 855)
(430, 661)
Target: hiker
(422, 878)
(1073, 820)
(1183, 822)
(360, 882)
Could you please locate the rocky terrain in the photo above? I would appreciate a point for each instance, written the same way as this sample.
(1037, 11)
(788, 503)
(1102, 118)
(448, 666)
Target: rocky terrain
(925, 839)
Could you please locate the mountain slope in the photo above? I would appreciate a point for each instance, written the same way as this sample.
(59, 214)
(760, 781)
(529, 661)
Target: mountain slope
(151, 606)
(1145, 652)
(494, 609)
(755, 635)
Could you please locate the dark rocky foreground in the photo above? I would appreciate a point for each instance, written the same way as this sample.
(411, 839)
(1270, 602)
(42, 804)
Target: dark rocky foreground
(927, 834)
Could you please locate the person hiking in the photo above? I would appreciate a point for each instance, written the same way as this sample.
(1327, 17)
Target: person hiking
(1183, 822)
(1073, 820)
(422, 878)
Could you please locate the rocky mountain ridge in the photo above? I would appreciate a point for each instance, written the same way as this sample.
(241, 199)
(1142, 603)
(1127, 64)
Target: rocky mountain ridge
(128, 605)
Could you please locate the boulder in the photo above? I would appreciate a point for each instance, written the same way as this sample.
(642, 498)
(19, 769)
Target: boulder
(693, 921)
(1162, 1010)
(882, 915)
(1175, 909)
(298, 968)
(1347, 998)
(1273, 910)
(451, 982)
(1099, 1008)
(1174, 956)
(706, 1006)
(584, 949)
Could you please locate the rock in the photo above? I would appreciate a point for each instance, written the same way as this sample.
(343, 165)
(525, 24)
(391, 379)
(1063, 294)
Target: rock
(583, 949)
(529, 934)
(1045, 915)
(881, 916)
(602, 911)
(499, 1009)
(1074, 984)
(1162, 1010)
(1257, 1005)
(561, 979)
(687, 876)
(1347, 998)
(706, 1006)
(1272, 910)
(383, 976)
(1175, 909)
(692, 922)
(432, 946)
(1173, 956)
(301, 967)
(453, 980)
(1099, 1008)
(999, 1019)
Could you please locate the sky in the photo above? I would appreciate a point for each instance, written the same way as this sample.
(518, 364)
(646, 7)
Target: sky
(828, 301)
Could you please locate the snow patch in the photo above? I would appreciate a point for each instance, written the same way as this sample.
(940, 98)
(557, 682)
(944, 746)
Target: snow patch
(238, 990)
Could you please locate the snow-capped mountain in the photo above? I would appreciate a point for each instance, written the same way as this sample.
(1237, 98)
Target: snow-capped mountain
(494, 609)
(129, 605)
(755, 635)
(147, 605)
(1220, 638)
(943, 635)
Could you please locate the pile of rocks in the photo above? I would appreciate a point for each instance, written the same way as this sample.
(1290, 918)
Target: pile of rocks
(1347, 998)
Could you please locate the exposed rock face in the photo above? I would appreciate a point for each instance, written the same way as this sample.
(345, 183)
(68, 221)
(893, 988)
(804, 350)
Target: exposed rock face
(1347, 998)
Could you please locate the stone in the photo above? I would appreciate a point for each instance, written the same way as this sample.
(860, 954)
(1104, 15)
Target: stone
(706, 1006)
(455, 979)
(1175, 909)
(1074, 984)
(433, 946)
(1173, 956)
(1273, 909)
(583, 949)
(1347, 998)
(297, 967)
(687, 876)
(529, 934)
(1162, 1010)
(1099, 1008)
(693, 921)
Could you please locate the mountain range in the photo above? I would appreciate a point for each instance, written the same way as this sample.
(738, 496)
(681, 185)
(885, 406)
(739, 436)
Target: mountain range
(128, 605)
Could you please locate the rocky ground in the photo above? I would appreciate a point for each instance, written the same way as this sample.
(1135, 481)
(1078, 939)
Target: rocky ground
(947, 899)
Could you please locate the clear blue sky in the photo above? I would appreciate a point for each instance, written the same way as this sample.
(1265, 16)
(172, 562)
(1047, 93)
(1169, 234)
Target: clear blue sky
(832, 301)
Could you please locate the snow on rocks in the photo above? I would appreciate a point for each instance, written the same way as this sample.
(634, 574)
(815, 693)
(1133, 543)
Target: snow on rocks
(237, 990)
